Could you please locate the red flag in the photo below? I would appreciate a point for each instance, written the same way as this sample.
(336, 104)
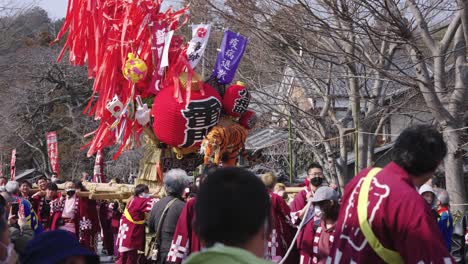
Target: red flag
(99, 168)
(12, 165)
(52, 151)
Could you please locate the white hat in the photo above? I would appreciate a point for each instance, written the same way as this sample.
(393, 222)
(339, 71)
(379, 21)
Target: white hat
(426, 188)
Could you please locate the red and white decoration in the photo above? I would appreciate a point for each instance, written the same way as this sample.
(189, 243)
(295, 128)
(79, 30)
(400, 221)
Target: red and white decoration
(12, 165)
(52, 151)
(197, 46)
(236, 99)
(179, 124)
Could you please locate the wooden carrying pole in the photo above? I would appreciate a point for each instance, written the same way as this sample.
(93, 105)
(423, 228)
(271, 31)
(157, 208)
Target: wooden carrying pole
(112, 191)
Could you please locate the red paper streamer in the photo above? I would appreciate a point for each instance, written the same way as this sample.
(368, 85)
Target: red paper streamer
(101, 33)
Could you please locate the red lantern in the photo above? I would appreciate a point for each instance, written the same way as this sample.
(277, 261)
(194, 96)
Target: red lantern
(236, 99)
(183, 125)
(248, 119)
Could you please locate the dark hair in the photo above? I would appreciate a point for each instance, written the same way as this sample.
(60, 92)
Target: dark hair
(3, 225)
(140, 188)
(314, 166)
(208, 169)
(330, 210)
(239, 215)
(3, 204)
(79, 185)
(52, 186)
(41, 178)
(25, 182)
(419, 149)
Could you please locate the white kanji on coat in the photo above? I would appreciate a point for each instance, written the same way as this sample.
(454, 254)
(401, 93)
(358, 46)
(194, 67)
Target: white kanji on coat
(85, 224)
(122, 233)
(177, 251)
(273, 243)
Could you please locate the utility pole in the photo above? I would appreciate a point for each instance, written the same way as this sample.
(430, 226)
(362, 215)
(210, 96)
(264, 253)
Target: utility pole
(290, 149)
(356, 139)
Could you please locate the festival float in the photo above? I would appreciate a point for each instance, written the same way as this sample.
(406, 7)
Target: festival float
(147, 92)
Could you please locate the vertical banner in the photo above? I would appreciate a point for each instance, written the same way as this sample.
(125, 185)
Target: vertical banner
(52, 151)
(229, 56)
(197, 46)
(1, 165)
(13, 165)
(98, 175)
(158, 39)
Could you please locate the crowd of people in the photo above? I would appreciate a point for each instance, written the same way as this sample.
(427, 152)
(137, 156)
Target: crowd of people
(395, 214)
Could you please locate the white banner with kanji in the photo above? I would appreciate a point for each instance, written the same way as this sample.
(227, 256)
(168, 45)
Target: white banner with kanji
(198, 43)
(52, 151)
(13, 165)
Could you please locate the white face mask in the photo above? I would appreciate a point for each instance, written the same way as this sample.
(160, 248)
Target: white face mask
(11, 254)
(317, 211)
(145, 195)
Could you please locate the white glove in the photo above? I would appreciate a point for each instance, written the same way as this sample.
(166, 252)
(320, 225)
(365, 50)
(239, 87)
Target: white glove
(143, 115)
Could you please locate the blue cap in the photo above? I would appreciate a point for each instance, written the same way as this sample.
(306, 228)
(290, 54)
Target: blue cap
(54, 246)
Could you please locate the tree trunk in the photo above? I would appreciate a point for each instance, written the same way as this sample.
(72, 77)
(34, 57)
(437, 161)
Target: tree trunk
(343, 162)
(362, 148)
(454, 170)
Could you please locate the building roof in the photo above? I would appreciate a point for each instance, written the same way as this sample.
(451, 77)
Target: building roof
(264, 138)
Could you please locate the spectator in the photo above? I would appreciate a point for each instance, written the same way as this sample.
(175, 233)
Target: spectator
(25, 188)
(20, 231)
(445, 220)
(326, 207)
(459, 243)
(233, 228)
(382, 217)
(185, 241)
(7, 248)
(131, 236)
(429, 195)
(175, 182)
(57, 247)
(280, 235)
(11, 189)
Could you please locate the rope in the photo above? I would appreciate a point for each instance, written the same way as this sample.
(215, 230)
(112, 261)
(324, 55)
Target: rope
(301, 225)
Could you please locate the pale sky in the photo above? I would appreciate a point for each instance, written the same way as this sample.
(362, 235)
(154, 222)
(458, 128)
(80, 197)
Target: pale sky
(58, 8)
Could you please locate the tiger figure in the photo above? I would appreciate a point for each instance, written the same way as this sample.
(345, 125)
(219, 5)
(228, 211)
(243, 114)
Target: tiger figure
(224, 141)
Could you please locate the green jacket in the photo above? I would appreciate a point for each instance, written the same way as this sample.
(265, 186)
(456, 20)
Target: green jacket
(225, 255)
(21, 238)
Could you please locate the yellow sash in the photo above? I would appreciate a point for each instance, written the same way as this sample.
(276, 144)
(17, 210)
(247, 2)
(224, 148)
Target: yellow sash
(129, 218)
(389, 256)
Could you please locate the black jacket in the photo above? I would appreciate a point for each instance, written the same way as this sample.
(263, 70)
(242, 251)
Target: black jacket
(168, 225)
(459, 242)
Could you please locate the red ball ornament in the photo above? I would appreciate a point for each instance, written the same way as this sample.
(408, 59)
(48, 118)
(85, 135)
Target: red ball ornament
(236, 99)
(248, 119)
(183, 125)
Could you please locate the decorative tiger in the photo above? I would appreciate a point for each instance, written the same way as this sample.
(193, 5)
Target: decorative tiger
(221, 141)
